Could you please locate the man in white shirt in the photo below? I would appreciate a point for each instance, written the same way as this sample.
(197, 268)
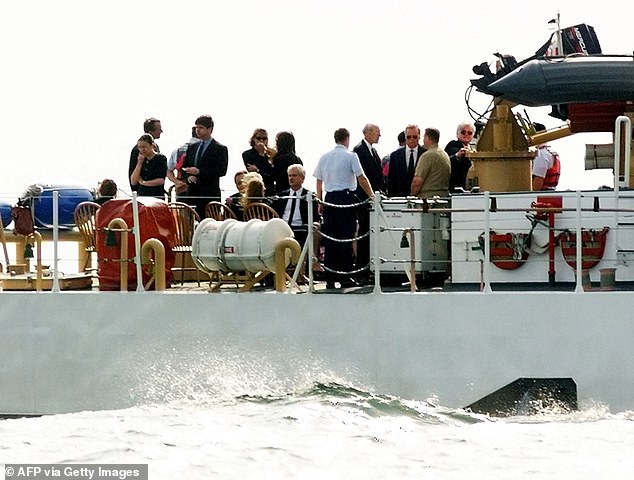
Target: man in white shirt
(546, 166)
(175, 163)
(337, 173)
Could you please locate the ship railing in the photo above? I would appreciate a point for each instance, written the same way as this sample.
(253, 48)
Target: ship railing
(151, 252)
(577, 224)
(492, 205)
(309, 246)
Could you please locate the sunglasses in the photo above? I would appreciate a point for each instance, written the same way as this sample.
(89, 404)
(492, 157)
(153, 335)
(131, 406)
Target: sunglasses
(465, 132)
(409, 137)
(261, 138)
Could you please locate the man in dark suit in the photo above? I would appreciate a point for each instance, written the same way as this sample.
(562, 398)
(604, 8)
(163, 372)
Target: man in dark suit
(371, 163)
(403, 164)
(294, 211)
(205, 162)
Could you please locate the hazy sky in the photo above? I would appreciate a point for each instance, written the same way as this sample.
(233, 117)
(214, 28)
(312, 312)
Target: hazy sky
(79, 77)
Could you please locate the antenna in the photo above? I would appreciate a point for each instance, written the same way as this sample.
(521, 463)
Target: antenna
(560, 41)
(556, 46)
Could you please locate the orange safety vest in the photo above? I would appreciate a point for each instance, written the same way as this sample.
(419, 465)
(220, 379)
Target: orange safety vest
(552, 174)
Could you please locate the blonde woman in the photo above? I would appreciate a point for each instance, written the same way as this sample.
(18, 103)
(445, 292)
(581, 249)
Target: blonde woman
(254, 190)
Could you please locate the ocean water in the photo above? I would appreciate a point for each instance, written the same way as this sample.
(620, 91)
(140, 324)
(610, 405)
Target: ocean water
(328, 430)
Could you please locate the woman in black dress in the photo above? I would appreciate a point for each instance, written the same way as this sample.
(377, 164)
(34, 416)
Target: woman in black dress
(150, 170)
(285, 157)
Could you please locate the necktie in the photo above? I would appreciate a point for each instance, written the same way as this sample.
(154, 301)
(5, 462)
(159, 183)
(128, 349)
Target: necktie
(410, 167)
(293, 205)
(376, 156)
(199, 153)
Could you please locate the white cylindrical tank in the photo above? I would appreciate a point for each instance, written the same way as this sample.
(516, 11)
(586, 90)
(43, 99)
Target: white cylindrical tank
(234, 246)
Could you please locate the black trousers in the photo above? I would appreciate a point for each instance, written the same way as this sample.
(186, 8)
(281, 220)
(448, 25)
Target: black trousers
(339, 223)
(301, 234)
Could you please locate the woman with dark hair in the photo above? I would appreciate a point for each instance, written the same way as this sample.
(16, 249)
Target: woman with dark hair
(259, 158)
(285, 143)
(107, 190)
(150, 170)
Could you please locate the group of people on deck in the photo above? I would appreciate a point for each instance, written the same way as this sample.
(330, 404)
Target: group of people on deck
(275, 175)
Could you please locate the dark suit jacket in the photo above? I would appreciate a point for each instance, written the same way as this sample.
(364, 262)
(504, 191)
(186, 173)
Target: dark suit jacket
(371, 167)
(212, 166)
(459, 166)
(280, 205)
(399, 180)
(252, 157)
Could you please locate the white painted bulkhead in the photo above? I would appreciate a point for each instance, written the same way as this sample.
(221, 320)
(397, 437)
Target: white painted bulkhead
(72, 351)
(467, 225)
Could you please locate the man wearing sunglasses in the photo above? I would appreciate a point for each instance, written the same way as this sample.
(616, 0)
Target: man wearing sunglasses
(403, 164)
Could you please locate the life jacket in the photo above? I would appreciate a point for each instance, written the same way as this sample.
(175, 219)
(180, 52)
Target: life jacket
(552, 174)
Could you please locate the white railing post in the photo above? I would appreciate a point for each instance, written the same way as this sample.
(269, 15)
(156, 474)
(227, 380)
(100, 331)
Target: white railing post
(487, 245)
(55, 287)
(311, 235)
(618, 127)
(579, 245)
(136, 230)
(375, 244)
(627, 142)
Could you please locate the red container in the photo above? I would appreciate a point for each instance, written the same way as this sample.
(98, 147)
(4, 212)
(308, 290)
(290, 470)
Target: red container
(155, 221)
(594, 117)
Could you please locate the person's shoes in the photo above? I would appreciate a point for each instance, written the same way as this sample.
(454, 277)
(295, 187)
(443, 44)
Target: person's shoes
(320, 275)
(366, 279)
(330, 285)
(349, 283)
